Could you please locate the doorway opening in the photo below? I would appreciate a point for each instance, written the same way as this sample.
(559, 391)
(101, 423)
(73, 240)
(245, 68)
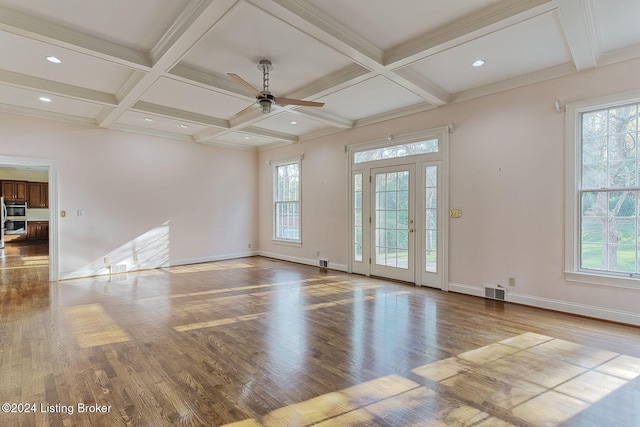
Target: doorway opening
(398, 197)
(29, 186)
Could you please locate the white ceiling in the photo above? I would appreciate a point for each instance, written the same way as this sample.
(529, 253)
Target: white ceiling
(125, 62)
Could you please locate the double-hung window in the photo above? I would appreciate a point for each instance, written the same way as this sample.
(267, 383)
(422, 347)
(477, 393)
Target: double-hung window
(603, 189)
(286, 202)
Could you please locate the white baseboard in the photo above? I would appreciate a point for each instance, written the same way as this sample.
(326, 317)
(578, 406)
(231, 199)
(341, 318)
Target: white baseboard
(556, 305)
(305, 261)
(104, 271)
(224, 257)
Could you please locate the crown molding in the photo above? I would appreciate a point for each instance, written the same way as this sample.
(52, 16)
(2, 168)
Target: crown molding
(401, 112)
(620, 55)
(516, 82)
(272, 146)
(230, 145)
(150, 132)
(318, 134)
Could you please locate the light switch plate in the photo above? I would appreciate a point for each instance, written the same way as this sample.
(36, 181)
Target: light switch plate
(455, 213)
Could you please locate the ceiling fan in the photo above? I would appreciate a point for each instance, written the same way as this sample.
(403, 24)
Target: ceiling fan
(264, 98)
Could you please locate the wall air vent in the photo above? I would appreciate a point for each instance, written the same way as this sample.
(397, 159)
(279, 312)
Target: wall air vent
(495, 292)
(323, 263)
(118, 268)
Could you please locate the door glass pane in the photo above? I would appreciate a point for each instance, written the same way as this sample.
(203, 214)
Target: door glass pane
(392, 213)
(431, 219)
(357, 208)
(402, 150)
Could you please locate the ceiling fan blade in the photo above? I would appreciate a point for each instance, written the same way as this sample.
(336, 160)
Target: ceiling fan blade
(246, 110)
(288, 101)
(240, 80)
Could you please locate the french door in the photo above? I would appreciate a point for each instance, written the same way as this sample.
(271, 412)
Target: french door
(399, 223)
(392, 231)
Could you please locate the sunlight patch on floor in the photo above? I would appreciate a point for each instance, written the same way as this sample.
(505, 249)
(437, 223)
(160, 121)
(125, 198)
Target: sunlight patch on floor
(93, 326)
(530, 378)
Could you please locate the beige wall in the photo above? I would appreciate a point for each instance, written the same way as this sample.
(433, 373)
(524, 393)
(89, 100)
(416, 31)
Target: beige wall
(128, 184)
(507, 176)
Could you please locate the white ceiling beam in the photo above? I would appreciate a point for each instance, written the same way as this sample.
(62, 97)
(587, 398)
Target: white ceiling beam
(315, 23)
(209, 80)
(154, 132)
(173, 49)
(181, 115)
(493, 18)
(332, 83)
(420, 85)
(578, 21)
(322, 116)
(267, 133)
(49, 115)
(37, 84)
(57, 35)
(235, 124)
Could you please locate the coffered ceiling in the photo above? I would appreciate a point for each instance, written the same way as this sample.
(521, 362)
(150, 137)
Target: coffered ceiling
(160, 66)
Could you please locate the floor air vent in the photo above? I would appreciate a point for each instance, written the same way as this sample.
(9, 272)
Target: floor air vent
(494, 292)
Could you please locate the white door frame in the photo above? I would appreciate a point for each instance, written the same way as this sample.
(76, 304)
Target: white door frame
(364, 169)
(52, 166)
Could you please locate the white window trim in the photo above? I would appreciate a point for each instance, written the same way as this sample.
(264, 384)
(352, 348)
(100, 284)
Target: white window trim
(572, 270)
(274, 179)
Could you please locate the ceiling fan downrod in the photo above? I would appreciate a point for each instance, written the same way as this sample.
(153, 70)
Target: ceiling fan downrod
(266, 66)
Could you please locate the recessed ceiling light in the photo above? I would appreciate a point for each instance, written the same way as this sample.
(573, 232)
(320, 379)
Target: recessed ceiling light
(247, 137)
(54, 60)
(148, 119)
(45, 99)
(184, 126)
(478, 63)
(293, 122)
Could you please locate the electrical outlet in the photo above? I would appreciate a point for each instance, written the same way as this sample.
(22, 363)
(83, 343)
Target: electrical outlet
(317, 253)
(512, 281)
(135, 257)
(106, 260)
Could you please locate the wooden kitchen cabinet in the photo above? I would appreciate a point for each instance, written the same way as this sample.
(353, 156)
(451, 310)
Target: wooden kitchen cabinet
(37, 230)
(14, 191)
(38, 193)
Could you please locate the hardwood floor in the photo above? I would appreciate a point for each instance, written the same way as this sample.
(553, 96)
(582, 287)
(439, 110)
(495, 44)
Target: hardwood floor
(254, 341)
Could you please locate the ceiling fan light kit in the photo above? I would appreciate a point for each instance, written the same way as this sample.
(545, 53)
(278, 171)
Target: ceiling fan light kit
(264, 98)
